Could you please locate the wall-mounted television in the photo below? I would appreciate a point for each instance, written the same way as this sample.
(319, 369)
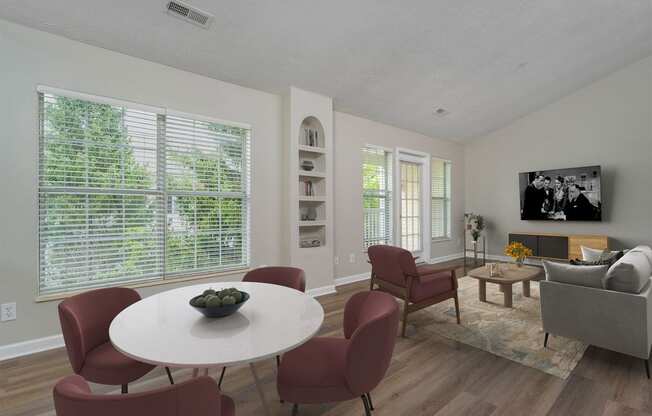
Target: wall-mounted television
(572, 194)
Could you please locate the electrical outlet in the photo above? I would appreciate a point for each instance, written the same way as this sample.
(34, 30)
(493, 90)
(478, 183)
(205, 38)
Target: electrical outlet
(352, 258)
(8, 311)
(337, 260)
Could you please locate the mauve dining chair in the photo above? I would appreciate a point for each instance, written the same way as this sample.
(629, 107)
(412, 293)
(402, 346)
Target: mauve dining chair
(85, 320)
(393, 270)
(195, 397)
(327, 369)
(291, 277)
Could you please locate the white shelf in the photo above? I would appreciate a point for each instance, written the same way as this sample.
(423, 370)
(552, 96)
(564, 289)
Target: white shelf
(312, 223)
(312, 149)
(303, 198)
(311, 174)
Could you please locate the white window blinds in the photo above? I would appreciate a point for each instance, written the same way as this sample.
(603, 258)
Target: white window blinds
(103, 173)
(440, 198)
(207, 173)
(377, 196)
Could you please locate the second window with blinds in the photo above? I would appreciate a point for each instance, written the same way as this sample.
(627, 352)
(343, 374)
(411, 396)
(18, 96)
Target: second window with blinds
(440, 199)
(376, 196)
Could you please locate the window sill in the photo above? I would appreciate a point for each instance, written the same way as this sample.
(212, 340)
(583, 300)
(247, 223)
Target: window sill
(151, 283)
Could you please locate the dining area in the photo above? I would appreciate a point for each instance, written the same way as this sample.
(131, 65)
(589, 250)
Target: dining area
(265, 322)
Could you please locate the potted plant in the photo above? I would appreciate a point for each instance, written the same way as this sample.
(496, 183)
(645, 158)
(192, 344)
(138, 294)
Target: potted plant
(474, 225)
(518, 251)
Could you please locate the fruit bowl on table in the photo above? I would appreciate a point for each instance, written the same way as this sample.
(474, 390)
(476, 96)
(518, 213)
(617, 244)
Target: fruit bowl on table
(218, 304)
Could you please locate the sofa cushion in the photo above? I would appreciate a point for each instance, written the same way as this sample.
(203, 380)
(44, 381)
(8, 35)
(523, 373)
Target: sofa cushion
(647, 250)
(629, 274)
(594, 254)
(590, 276)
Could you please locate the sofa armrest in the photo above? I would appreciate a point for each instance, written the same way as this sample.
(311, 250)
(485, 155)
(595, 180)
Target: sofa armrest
(613, 320)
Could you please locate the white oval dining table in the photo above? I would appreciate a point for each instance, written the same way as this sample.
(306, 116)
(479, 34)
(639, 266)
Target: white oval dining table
(164, 330)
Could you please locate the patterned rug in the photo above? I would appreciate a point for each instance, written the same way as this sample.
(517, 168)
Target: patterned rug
(513, 333)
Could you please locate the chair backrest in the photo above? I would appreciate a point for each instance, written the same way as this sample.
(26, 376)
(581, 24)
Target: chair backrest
(291, 277)
(85, 319)
(370, 322)
(391, 264)
(196, 397)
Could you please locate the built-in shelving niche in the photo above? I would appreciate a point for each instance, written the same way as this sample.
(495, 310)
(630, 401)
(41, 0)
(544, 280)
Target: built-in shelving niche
(312, 221)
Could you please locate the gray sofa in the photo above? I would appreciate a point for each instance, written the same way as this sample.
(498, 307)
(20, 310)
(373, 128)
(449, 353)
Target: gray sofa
(606, 306)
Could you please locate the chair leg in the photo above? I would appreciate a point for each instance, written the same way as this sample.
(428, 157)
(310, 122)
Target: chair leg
(647, 368)
(366, 405)
(457, 309)
(371, 405)
(405, 315)
(278, 362)
(219, 383)
(167, 370)
(295, 409)
(125, 389)
(545, 340)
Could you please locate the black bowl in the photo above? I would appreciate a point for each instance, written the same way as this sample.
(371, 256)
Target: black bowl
(221, 311)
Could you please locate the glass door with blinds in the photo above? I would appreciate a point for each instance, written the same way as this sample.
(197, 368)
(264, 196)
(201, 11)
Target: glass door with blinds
(413, 191)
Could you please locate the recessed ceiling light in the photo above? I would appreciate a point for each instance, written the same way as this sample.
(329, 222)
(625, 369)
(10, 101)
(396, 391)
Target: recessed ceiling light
(440, 112)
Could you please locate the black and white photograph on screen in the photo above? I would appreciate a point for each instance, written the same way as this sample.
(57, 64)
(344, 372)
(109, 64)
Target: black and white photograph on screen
(561, 194)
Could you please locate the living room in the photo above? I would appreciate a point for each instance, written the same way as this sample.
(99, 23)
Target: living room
(454, 158)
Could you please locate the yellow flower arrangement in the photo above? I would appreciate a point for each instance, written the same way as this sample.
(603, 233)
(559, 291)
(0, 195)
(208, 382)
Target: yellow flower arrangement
(518, 252)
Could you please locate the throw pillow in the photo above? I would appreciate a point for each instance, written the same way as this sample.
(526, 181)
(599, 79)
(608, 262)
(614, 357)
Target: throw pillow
(590, 276)
(629, 274)
(593, 254)
(607, 258)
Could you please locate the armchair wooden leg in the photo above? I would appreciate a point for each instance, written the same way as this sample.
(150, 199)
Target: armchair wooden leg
(545, 340)
(125, 389)
(167, 370)
(371, 405)
(647, 368)
(405, 316)
(457, 309)
(295, 409)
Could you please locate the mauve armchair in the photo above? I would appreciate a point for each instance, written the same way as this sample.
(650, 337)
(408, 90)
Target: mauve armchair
(291, 277)
(327, 369)
(85, 320)
(394, 271)
(196, 397)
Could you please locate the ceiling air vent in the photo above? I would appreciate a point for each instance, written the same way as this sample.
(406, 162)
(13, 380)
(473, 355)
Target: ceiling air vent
(190, 14)
(440, 112)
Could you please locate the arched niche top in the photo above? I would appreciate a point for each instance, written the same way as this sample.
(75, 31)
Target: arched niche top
(311, 132)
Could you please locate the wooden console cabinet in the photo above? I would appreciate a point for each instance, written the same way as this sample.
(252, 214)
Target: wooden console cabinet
(559, 246)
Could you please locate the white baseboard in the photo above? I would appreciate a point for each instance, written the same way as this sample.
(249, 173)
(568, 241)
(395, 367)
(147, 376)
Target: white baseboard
(20, 349)
(345, 280)
(450, 257)
(321, 291)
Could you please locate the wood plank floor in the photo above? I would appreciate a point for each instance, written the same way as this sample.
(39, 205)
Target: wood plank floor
(429, 375)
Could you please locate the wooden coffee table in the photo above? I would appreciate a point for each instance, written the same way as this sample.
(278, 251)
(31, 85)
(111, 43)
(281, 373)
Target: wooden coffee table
(509, 274)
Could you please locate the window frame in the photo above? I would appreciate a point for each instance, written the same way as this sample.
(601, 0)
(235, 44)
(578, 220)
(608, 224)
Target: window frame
(388, 196)
(446, 199)
(159, 190)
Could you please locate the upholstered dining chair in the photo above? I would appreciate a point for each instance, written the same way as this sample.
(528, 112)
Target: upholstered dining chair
(85, 320)
(393, 270)
(291, 277)
(195, 397)
(326, 369)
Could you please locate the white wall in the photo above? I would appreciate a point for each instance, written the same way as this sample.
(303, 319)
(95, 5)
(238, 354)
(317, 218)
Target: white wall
(30, 58)
(608, 123)
(351, 134)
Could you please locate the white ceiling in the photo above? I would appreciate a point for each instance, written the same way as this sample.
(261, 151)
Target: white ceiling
(487, 62)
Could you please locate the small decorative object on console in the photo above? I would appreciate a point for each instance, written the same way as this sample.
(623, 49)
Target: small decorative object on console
(310, 243)
(307, 165)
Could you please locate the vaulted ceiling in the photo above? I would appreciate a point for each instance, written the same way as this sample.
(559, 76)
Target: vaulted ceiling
(486, 62)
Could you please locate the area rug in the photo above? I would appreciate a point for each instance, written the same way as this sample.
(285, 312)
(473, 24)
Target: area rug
(513, 333)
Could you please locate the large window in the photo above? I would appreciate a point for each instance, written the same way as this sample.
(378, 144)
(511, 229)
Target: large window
(377, 196)
(129, 193)
(440, 183)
